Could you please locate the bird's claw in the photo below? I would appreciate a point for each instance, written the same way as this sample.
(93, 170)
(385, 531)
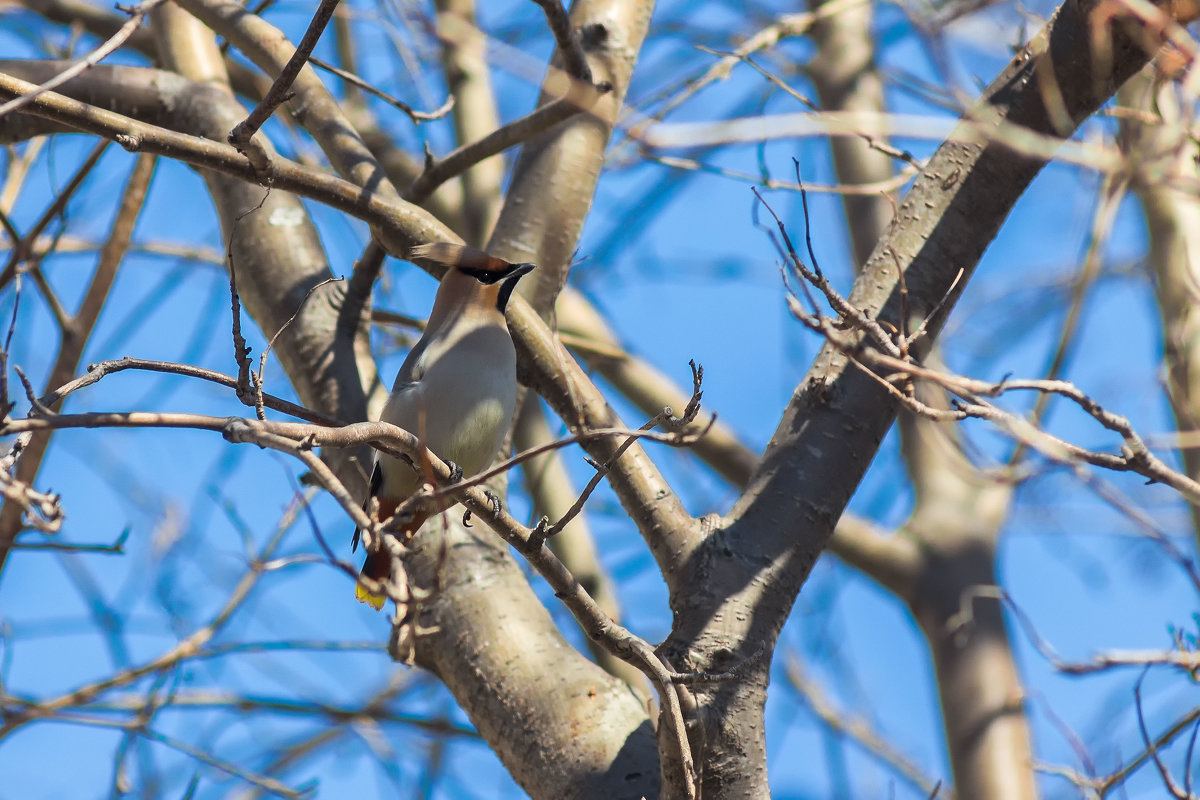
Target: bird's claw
(497, 503)
(456, 472)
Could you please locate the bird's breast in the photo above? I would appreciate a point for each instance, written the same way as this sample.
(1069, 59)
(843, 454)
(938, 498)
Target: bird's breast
(464, 400)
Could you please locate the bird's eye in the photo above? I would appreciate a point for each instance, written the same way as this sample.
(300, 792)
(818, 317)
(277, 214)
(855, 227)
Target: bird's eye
(485, 276)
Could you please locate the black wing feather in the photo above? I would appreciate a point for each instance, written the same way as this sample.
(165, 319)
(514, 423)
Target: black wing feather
(375, 483)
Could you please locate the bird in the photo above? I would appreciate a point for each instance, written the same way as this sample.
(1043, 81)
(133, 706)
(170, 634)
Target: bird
(456, 390)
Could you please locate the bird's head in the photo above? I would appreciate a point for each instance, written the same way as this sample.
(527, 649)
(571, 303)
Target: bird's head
(486, 270)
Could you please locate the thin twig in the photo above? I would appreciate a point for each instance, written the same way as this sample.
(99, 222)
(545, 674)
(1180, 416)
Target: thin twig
(417, 117)
(137, 15)
(1152, 748)
(262, 359)
(241, 351)
(116, 548)
(459, 161)
(666, 418)
(383, 436)
(540, 534)
(101, 369)
(1187, 660)
(848, 313)
(22, 247)
(1135, 456)
(280, 90)
(1187, 759)
(6, 405)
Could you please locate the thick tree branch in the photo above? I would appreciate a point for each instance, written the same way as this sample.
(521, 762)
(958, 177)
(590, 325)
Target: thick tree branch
(549, 197)
(785, 517)
(281, 89)
(1162, 166)
(314, 107)
(475, 117)
(402, 221)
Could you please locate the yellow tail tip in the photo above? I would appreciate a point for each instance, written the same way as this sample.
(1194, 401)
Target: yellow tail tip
(364, 595)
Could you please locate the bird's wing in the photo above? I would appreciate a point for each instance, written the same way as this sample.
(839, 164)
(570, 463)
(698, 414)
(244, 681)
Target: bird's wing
(404, 392)
(372, 488)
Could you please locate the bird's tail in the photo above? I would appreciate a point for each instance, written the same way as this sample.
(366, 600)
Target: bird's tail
(377, 567)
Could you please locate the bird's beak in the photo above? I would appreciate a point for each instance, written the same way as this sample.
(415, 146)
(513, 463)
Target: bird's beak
(518, 270)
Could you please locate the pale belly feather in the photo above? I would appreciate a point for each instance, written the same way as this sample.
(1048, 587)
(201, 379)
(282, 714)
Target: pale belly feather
(460, 407)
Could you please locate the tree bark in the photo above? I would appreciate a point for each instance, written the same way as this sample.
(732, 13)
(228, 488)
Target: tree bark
(947, 548)
(737, 588)
(1165, 180)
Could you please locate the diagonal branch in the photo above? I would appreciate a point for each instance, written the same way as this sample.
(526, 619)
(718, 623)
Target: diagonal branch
(136, 16)
(280, 90)
(315, 108)
(476, 117)
(838, 416)
(569, 47)
(514, 133)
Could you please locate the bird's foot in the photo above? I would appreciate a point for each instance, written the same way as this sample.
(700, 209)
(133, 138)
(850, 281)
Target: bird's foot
(456, 472)
(497, 503)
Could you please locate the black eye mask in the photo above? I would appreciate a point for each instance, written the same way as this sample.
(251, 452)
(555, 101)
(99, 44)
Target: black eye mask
(489, 276)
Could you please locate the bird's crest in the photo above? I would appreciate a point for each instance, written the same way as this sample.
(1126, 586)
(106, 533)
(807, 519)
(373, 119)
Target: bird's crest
(485, 268)
(463, 256)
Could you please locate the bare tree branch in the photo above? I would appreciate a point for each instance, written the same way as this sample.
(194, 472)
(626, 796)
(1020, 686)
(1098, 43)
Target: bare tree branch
(1162, 165)
(803, 477)
(74, 338)
(280, 90)
(136, 15)
(475, 119)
